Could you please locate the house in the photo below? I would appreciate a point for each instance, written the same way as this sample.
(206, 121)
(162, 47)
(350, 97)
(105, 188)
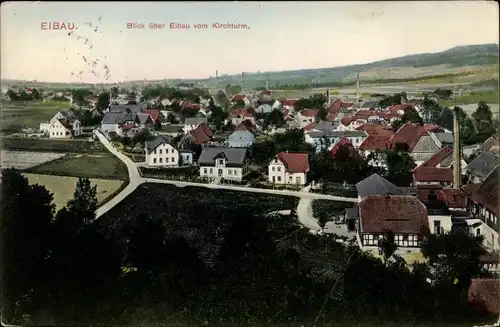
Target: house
(239, 115)
(306, 117)
(289, 168)
(490, 144)
(350, 123)
(228, 163)
(405, 216)
(373, 145)
(399, 109)
(484, 294)
(483, 204)
(346, 144)
(454, 199)
(289, 104)
(132, 108)
(155, 114)
(264, 108)
(417, 142)
(265, 96)
(478, 169)
(241, 97)
(65, 128)
(491, 262)
(277, 105)
(377, 185)
(191, 123)
(161, 152)
(144, 121)
(128, 130)
(370, 105)
(429, 171)
(246, 125)
(202, 135)
(321, 140)
(112, 120)
(241, 139)
(68, 115)
(441, 139)
(334, 110)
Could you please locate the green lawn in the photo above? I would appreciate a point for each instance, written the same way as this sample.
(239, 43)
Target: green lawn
(473, 98)
(18, 115)
(51, 145)
(99, 165)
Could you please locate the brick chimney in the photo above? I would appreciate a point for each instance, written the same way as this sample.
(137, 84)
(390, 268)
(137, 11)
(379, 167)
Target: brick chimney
(457, 171)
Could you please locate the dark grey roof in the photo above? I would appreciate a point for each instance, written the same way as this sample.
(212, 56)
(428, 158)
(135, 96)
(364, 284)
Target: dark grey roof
(444, 137)
(122, 107)
(185, 151)
(235, 156)
(153, 144)
(143, 118)
(377, 185)
(326, 126)
(195, 120)
(483, 164)
(337, 134)
(116, 118)
(351, 213)
(369, 104)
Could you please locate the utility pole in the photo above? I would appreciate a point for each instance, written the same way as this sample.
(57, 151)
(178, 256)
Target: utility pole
(216, 77)
(357, 88)
(267, 84)
(242, 81)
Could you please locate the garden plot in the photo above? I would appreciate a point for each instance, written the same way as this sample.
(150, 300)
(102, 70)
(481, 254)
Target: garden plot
(23, 160)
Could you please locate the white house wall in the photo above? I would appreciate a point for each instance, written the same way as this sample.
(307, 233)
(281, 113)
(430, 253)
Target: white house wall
(277, 174)
(443, 221)
(163, 156)
(232, 173)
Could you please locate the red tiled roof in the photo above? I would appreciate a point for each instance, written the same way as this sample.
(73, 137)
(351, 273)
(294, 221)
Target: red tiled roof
(433, 174)
(199, 134)
(155, 114)
(485, 293)
(344, 142)
(408, 134)
(246, 125)
(455, 198)
(265, 92)
(376, 142)
(433, 128)
(128, 127)
(331, 117)
(294, 162)
(286, 112)
(290, 103)
(204, 127)
(334, 109)
(309, 112)
(309, 127)
(399, 214)
(395, 108)
(486, 193)
(346, 120)
(375, 129)
(238, 97)
(364, 114)
(438, 157)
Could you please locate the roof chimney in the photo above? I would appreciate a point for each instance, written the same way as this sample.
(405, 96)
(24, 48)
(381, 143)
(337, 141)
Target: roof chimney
(457, 171)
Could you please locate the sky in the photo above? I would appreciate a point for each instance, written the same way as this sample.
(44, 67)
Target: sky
(280, 36)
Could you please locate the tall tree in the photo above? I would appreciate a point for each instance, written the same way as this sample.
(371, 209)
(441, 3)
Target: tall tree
(410, 116)
(399, 167)
(103, 101)
(84, 201)
(26, 214)
(483, 120)
(387, 245)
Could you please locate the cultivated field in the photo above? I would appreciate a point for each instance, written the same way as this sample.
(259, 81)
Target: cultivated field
(51, 145)
(19, 115)
(99, 165)
(23, 160)
(63, 187)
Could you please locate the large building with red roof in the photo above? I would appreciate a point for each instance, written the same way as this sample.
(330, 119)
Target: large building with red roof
(289, 168)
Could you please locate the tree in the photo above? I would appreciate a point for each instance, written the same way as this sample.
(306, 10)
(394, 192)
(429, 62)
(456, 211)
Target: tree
(158, 125)
(387, 245)
(80, 97)
(114, 92)
(235, 89)
(445, 119)
(84, 201)
(141, 137)
(410, 116)
(443, 94)
(483, 120)
(391, 100)
(218, 116)
(292, 141)
(26, 214)
(103, 101)
(13, 95)
(399, 167)
(274, 118)
(222, 98)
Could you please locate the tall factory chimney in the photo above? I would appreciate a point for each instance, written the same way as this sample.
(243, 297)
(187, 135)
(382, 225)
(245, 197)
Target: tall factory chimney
(242, 80)
(457, 171)
(267, 82)
(216, 77)
(327, 96)
(357, 89)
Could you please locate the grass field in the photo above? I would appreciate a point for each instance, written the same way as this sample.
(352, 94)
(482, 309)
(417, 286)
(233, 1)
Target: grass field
(473, 98)
(51, 145)
(18, 115)
(63, 187)
(101, 165)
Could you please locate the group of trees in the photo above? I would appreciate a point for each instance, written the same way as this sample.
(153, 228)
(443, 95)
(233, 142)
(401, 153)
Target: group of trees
(316, 101)
(139, 138)
(24, 95)
(241, 266)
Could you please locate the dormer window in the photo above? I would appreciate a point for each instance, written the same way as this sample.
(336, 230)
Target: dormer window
(220, 161)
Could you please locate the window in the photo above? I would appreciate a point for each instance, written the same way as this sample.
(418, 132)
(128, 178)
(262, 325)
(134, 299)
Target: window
(211, 170)
(279, 168)
(236, 172)
(154, 151)
(205, 170)
(160, 151)
(166, 151)
(166, 159)
(273, 168)
(437, 227)
(279, 178)
(229, 171)
(154, 160)
(478, 232)
(173, 159)
(161, 160)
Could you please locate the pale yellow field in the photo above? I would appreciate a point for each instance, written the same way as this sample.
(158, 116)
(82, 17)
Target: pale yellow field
(63, 187)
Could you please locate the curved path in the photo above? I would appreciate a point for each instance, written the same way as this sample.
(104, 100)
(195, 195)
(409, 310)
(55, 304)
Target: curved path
(136, 180)
(133, 174)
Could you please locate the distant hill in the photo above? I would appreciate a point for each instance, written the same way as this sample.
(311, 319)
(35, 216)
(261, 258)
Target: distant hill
(454, 60)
